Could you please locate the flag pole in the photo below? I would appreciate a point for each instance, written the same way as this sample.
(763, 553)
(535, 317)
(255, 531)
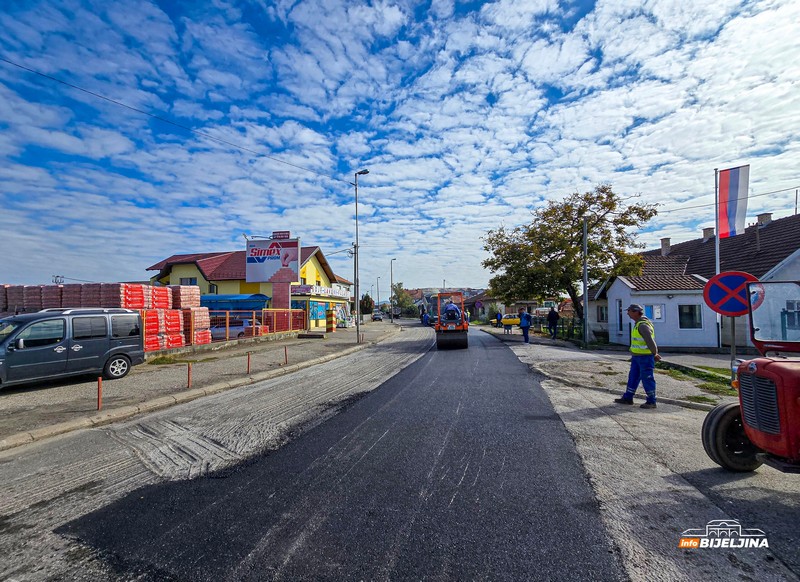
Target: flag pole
(716, 219)
(716, 247)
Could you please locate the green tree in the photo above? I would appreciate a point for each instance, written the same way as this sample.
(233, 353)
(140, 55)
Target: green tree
(367, 304)
(544, 258)
(403, 300)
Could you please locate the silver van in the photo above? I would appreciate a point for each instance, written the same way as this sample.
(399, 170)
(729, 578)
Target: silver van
(55, 343)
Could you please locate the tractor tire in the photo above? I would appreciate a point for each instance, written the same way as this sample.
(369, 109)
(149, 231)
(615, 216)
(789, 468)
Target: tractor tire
(727, 440)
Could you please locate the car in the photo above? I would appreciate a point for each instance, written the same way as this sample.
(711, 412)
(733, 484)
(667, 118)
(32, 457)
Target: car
(235, 329)
(511, 319)
(55, 343)
(377, 316)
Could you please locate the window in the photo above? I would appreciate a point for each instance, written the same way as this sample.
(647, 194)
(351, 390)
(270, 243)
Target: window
(792, 314)
(188, 280)
(44, 333)
(212, 289)
(690, 317)
(619, 315)
(125, 326)
(654, 312)
(602, 313)
(89, 327)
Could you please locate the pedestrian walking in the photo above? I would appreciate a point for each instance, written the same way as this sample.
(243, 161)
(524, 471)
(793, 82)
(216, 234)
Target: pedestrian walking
(499, 319)
(644, 355)
(425, 319)
(525, 324)
(552, 322)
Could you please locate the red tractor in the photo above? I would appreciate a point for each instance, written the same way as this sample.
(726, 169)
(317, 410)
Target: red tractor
(764, 427)
(452, 324)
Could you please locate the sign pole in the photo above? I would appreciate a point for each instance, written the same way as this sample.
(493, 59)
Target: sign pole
(733, 346)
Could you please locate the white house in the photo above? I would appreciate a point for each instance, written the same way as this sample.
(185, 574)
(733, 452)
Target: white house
(671, 285)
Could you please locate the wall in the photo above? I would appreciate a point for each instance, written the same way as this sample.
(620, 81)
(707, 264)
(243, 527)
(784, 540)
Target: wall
(668, 332)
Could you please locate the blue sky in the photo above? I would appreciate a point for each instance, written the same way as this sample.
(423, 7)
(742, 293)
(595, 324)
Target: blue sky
(131, 131)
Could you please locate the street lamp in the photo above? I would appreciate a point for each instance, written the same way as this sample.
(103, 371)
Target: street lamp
(378, 304)
(391, 290)
(355, 261)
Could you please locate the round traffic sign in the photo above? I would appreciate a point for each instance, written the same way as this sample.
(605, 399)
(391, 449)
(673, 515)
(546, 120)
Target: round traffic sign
(726, 293)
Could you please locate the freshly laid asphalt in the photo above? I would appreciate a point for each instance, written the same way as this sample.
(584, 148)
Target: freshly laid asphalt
(37, 412)
(447, 472)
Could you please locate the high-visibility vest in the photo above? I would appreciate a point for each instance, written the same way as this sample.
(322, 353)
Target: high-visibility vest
(638, 345)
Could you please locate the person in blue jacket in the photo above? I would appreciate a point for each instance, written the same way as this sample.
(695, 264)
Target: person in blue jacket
(525, 324)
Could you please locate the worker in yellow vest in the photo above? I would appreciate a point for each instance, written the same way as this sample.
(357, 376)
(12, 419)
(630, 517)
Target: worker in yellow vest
(644, 355)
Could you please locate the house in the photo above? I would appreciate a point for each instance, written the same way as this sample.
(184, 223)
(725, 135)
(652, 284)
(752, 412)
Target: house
(318, 290)
(671, 285)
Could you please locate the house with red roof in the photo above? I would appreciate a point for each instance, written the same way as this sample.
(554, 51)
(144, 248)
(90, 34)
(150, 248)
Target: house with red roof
(671, 285)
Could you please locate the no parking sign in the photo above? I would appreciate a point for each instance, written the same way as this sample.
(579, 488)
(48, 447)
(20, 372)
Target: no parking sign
(726, 293)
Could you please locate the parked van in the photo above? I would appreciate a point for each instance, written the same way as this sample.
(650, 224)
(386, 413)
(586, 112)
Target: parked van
(55, 343)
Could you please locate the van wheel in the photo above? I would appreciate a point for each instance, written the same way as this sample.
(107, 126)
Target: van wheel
(117, 367)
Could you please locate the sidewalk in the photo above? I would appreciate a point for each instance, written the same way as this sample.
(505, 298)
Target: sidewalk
(607, 370)
(36, 412)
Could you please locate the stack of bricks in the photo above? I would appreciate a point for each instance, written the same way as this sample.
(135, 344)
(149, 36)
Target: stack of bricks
(196, 325)
(51, 296)
(184, 296)
(163, 329)
(91, 295)
(71, 295)
(3, 299)
(127, 295)
(153, 338)
(15, 298)
(160, 298)
(32, 298)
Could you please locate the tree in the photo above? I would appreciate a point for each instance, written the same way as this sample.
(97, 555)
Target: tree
(544, 258)
(403, 300)
(367, 304)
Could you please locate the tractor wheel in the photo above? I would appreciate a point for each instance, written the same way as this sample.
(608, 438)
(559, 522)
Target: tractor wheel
(730, 445)
(705, 432)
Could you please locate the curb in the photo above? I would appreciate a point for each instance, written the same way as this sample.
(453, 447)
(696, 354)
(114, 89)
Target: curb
(162, 402)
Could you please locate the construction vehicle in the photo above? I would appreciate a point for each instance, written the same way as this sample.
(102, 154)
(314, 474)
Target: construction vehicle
(764, 426)
(451, 323)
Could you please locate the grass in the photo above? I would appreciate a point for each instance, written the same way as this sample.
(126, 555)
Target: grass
(714, 388)
(720, 371)
(713, 383)
(701, 399)
(610, 373)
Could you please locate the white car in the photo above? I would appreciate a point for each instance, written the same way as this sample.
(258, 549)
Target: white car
(235, 329)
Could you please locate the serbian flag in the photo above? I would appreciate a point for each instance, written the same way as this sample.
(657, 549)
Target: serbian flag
(732, 200)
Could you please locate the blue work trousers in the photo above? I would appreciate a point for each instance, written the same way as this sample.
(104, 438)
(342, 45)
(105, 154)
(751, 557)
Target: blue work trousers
(525, 331)
(642, 370)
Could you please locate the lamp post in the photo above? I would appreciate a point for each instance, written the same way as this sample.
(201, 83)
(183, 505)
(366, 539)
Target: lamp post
(355, 261)
(378, 304)
(391, 290)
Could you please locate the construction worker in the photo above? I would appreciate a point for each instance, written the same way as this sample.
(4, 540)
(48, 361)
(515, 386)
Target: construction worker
(644, 355)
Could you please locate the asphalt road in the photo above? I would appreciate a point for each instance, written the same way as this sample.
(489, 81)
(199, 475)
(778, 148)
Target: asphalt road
(456, 468)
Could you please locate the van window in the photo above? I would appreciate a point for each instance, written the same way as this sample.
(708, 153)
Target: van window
(125, 325)
(44, 333)
(89, 327)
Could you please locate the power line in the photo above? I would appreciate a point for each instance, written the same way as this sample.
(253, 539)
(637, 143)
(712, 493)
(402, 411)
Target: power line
(742, 198)
(169, 121)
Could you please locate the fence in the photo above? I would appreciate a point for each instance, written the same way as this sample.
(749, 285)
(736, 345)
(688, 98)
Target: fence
(568, 327)
(231, 325)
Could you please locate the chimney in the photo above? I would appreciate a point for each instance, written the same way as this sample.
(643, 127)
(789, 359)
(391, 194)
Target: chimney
(708, 233)
(764, 219)
(664, 247)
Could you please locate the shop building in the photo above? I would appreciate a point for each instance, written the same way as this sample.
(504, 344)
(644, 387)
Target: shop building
(224, 273)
